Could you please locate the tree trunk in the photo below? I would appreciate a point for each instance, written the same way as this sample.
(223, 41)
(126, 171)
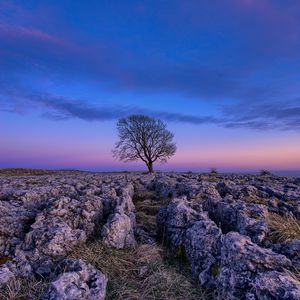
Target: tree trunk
(150, 166)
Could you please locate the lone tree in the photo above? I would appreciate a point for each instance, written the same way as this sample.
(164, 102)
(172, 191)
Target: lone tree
(145, 138)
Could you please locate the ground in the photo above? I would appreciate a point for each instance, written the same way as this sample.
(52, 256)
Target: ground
(81, 235)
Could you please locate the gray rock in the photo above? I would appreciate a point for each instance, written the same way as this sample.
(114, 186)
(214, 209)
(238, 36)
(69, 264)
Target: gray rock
(78, 281)
(119, 229)
(241, 262)
(174, 219)
(245, 218)
(290, 249)
(5, 275)
(276, 285)
(202, 247)
(119, 232)
(53, 237)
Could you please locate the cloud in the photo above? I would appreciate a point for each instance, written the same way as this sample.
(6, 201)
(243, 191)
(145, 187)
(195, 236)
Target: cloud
(62, 108)
(248, 54)
(59, 108)
(266, 115)
(11, 32)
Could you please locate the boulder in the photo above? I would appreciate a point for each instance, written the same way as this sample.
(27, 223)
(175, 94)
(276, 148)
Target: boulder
(202, 248)
(174, 219)
(118, 232)
(241, 263)
(5, 275)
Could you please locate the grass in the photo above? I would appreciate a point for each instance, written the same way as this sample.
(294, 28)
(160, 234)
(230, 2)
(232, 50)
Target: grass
(141, 196)
(211, 178)
(139, 273)
(283, 228)
(147, 272)
(256, 200)
(294, 273)
(149, 221)
(23, 289)
(147, 205)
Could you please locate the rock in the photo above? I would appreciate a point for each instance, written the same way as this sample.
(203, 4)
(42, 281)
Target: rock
(119, 232)
(5, 275)
(78, 281)
(202, 248)
(119, 229)
(53, 237)
(174, 219)
(290, 249)
(14, 223)
(276, 285)
(249, 191)
(245, 218)
(241, 262)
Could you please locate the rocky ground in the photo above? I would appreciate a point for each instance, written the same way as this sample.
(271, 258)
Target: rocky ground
(78, 235)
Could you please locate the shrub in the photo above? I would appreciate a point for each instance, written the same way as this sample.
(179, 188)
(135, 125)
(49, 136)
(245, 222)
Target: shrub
(213, 171)
(265, 173)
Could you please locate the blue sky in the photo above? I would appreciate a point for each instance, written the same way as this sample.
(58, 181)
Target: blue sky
(224, 75)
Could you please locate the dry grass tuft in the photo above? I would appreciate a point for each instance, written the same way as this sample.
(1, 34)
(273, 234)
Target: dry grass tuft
(144, 195)
(139, 273)
(294, 273)
(4, 259)
(148, 207)
(149, 254)
(256, 200)
(283, 228)
(23, 289)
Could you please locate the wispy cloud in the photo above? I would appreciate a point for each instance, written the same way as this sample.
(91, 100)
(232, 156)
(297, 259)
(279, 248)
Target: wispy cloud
(27, 32)
(63, 108)
(57, 108)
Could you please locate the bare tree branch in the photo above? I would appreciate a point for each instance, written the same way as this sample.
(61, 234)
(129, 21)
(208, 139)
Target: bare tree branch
(144, 138)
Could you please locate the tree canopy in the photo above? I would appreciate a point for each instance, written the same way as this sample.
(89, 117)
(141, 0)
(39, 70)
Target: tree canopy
(145, 138)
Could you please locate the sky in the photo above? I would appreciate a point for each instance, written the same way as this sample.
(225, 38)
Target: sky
(223, 75)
